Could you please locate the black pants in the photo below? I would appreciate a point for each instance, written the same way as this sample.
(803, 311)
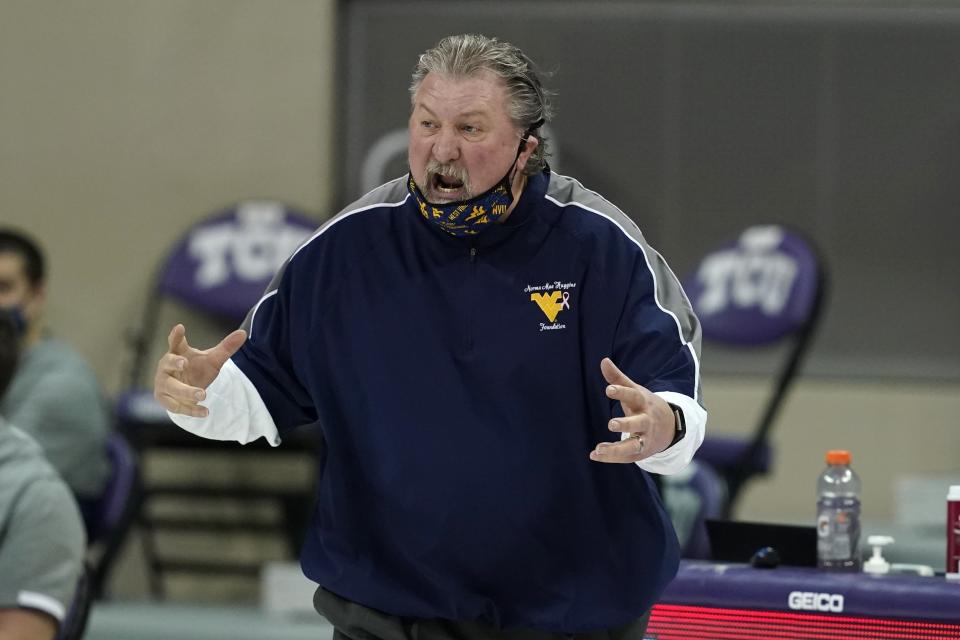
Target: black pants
(352, 621)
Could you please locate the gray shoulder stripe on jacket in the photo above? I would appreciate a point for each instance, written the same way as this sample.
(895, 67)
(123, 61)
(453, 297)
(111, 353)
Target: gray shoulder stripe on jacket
(668, 293)
(382, 196)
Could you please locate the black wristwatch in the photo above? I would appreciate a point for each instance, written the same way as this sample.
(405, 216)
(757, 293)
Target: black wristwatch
(681, 425)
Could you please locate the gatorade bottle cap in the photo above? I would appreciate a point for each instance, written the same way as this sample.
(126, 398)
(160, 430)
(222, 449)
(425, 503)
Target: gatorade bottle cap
(838, 456)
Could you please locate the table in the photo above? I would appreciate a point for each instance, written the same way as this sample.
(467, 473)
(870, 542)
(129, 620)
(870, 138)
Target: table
(720, 601)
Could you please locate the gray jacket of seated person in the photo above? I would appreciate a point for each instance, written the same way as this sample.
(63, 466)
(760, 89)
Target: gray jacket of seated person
(42, 538)
(56, 398)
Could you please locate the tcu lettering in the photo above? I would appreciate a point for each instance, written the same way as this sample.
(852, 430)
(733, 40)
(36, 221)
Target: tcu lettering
(812, 601)
(752, 275)
(251, 250)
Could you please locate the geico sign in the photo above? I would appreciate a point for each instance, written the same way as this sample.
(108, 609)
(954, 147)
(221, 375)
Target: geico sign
(812, 601)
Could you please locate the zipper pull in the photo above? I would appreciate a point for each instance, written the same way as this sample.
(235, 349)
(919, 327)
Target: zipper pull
(473, 253)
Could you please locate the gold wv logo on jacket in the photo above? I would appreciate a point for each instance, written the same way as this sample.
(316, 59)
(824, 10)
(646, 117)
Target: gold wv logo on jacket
(551, 303)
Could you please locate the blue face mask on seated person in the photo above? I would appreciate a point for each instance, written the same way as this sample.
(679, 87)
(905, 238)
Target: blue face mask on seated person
(17, 319)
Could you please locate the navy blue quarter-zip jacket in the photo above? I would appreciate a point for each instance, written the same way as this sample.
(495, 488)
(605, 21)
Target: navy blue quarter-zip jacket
(457, 385)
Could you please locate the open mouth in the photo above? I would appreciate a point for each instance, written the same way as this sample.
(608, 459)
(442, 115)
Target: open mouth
(446, 184)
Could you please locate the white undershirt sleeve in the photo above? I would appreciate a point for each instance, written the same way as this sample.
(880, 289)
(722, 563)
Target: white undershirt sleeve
(236, 411)
(674, 459)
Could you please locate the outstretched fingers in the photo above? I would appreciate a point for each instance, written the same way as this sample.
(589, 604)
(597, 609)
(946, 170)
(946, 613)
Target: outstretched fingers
(628, 450)
(634, 401)
(632, 397)
(183, 408)
(177, 340)
(613, 375)
(171, 364)
(228, 346)
(178, 396)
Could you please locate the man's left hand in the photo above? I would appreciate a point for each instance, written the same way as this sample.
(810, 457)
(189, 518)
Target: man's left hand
(646, 417)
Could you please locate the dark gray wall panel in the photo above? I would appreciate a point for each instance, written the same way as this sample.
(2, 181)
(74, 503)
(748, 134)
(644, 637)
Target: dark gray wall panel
(697, 120)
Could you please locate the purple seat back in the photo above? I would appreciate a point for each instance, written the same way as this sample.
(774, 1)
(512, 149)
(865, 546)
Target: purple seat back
(709, 488)
(118, 492)
(757, 289)
(726, 451)
(223, 264)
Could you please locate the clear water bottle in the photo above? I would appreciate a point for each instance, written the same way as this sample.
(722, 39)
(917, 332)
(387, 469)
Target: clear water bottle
(838, 515)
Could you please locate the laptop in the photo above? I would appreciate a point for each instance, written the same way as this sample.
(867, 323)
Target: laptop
(737, 541)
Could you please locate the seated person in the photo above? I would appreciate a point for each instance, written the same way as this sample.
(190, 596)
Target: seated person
(54, 396)
(41, 534)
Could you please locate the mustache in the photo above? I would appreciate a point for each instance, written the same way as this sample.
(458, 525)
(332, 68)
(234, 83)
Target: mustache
(449, 170)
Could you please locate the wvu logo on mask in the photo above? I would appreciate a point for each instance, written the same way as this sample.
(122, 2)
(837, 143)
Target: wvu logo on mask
(551, 303)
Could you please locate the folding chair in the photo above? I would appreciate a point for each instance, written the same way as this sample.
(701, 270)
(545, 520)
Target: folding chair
(763, 289)
(692, 497)
(75, 623)
(220, 268)
(217, 271)
(115, 511)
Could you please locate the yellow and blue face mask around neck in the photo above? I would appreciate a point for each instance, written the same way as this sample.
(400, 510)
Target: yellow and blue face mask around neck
(470, 217)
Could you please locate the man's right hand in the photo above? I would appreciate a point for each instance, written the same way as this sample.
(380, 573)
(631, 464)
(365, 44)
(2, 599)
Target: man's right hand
(184, 373)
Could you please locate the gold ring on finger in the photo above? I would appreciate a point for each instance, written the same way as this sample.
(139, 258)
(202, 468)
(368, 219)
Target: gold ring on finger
(639, 439)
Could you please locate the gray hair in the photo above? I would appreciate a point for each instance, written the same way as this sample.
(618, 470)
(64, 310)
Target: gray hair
(466, 55)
